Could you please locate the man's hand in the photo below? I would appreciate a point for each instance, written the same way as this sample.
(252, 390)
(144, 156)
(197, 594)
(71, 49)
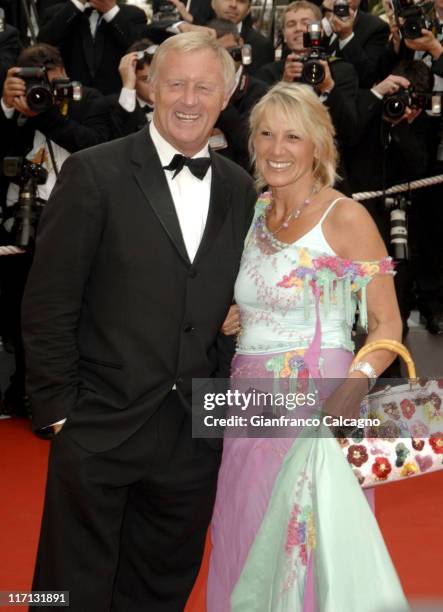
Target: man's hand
(391, 85)
(127, 70)
(328, 83)
(427, 43)
(293, 68)
(21, 105)
(181, 9)
(189, 27)
(13, 87)
(103, 6)
(342, 26)
(232, 324)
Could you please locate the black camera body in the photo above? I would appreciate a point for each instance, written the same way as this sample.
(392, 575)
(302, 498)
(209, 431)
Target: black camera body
(413, 17)
(341, 8)
(26, 212)
(41, 94)
(241, 54)
(394, 106)
(313, 72)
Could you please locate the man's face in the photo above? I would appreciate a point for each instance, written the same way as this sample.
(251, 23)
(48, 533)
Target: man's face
(188, 95)
(439, 6)
(232, 10)
(142, 87)
(295, 25)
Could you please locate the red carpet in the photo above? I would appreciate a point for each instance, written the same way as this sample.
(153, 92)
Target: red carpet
(410, 515)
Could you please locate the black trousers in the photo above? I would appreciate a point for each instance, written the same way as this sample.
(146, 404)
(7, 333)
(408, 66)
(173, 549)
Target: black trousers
(124, 530)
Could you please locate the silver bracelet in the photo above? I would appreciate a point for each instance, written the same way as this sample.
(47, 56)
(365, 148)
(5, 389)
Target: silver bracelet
(365, 368)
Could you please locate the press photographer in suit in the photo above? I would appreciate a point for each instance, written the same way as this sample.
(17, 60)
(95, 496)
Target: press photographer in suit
(119, 316)
(359, 38)
(132, 108)
(339, 87)
(92, 37)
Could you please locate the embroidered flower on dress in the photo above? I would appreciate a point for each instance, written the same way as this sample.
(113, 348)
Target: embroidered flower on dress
(381, 468)
(357, 454)
(419, 429)
(418, 444)
(436, 441)
(408, 408)
(409, 469)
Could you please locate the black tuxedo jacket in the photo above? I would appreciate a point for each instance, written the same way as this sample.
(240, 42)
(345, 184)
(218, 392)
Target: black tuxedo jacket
(10, 47)
(262, 48)
(114, 313)
(341, 102)
(234, 120)
(92, 61)
(124, 123)
(366, 48)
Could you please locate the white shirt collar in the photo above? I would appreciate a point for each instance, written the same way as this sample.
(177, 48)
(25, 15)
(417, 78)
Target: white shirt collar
(165, 150)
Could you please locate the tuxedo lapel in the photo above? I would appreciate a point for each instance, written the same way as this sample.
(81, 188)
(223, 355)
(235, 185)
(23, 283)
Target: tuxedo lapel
(219, 204)
(151, 179)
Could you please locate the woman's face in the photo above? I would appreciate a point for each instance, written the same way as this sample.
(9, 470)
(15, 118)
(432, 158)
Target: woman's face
(283, 156)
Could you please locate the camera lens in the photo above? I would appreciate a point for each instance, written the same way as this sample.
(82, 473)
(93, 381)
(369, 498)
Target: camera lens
(394, 106)
(399, 234)
(39, 98)
(313, 72)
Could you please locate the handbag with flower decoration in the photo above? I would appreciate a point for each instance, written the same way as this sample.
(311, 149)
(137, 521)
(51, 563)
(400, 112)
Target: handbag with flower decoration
(409, 440)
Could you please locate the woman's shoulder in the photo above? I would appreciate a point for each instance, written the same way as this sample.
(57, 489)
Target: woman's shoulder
(351, 231)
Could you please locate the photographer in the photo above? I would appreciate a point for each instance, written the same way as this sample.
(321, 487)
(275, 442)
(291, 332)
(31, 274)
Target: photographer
(238, 12)
(92, 38)
(358, 37)
(398, 143)
(339, 87)
(46, 138)
(231, 132)
(131, 110)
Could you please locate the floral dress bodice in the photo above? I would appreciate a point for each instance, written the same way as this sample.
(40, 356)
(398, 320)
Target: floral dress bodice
(290, 293)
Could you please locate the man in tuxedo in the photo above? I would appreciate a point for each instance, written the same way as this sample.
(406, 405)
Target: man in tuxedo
(360, 39)
(136, 259)
(92, 38)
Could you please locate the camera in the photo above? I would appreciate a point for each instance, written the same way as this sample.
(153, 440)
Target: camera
(41, 94)
(163, 9)
(394, 106)
(413, 17)
(241, 54)
(341, 8)
(313, 72)
(398, 206)
(26, 212)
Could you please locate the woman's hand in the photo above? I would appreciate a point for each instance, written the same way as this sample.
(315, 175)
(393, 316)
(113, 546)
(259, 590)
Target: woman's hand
(232, 323)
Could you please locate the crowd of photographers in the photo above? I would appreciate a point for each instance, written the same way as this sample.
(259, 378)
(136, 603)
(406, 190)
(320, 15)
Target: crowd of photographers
(74, 73)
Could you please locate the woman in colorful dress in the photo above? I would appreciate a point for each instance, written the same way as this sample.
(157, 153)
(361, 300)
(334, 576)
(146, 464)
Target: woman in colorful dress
(292, 529)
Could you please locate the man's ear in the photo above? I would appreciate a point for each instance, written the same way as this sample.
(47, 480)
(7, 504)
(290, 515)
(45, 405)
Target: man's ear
(212, 5)
(226, 101)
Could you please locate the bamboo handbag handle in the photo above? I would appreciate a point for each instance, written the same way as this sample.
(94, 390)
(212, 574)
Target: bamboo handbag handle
(389, 345)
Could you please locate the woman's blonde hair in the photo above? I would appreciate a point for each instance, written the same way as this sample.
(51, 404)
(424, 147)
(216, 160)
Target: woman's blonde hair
(302, 111)
(195, 41)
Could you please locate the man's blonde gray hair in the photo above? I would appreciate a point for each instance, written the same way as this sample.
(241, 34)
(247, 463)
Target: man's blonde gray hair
(302, 111)
(195, 41)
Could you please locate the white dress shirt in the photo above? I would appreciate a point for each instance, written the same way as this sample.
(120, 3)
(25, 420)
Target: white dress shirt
(189, 194)
(95, 17)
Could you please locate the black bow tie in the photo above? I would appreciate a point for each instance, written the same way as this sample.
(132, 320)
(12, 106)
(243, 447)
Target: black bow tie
(197, 165)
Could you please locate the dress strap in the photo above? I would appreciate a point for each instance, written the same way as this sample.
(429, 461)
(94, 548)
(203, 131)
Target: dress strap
(330, 207)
